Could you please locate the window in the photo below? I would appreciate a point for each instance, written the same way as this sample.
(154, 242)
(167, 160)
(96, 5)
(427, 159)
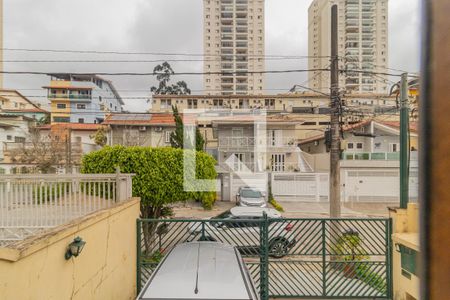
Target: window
(9, 137)
(60, 105)
(278, 162)
(167, 137)
(19, 139)
(192, 103)
(81, 106)
(61, 119)
(166, 103)
(350, 146)
(275, 137)
(81, 120)
(359, 146)
(238, 160)
(394, 147)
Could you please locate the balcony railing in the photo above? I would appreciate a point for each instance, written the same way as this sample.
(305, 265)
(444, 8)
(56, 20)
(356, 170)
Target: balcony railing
(247, 142)
(67, 96)
(375, 156)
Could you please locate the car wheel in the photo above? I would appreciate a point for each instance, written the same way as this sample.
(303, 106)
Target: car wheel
(278, 248)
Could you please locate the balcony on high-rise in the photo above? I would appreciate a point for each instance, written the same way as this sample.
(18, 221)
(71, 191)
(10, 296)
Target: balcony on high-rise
(241, 44)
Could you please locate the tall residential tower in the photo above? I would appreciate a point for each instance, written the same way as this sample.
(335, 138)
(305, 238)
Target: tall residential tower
(363, 44)
(233, 42)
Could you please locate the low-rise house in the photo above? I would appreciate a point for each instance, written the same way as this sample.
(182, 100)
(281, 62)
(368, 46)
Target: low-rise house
(369, 161)
(134, 129)
(14, 103)
(82, 98)
(50, 148)
(259, 144)
(13, 129)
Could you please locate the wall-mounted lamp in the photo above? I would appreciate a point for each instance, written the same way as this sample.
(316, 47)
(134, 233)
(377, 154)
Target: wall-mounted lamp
(75, 248)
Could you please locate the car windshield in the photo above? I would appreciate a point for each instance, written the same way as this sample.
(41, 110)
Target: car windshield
(247, 193)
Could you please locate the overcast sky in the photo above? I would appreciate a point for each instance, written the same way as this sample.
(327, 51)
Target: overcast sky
(169, 26)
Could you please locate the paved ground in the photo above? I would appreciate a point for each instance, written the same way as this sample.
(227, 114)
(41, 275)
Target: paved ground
(194, 210)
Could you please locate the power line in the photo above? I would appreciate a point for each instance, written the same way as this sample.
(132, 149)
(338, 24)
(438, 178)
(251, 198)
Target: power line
(144, 61)
(197, 73)
(147, 53)
(158, 73)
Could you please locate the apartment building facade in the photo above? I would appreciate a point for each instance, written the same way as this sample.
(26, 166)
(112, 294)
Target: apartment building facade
(307, 103)
(362, 44)
(82, 98)
(233, 45)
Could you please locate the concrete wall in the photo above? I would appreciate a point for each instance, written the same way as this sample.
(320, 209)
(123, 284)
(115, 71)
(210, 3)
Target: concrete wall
(35, 268)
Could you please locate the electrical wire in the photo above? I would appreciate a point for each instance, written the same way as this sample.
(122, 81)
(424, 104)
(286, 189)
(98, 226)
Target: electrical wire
(158, 73)
(147, 53)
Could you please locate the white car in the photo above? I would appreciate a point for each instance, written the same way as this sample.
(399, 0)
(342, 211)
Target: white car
(248, 196)
(245, 235)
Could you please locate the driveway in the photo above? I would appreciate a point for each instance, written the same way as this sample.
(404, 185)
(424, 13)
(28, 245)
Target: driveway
(194, 210)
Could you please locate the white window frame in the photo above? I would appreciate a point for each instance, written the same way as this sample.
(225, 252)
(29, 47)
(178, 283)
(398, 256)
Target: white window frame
(278, 162)
(391, 147)
(167, 136)
(362, 146)
(238, 161)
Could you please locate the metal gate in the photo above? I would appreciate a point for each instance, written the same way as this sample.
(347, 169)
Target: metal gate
(311, 258)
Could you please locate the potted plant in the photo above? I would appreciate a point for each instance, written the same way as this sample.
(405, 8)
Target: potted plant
(349, 252)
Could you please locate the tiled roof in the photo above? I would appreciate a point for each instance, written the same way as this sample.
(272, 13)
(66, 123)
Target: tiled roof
(394, 124)
(345, 128)
(413, 126)
(73, 126)
(139, 119)
(36, 109)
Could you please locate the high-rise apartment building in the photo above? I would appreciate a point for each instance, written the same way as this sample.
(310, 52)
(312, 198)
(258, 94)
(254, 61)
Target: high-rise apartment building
(362, 39)
(233, 46)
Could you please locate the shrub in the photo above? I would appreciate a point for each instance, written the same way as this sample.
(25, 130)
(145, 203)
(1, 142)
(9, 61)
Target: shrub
(159, 174)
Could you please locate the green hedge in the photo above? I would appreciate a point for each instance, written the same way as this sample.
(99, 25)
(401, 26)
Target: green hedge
(159, 174)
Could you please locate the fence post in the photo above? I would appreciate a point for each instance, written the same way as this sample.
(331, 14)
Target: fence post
(389, 273)
(119, 187)
(324, 261)
(264, 259)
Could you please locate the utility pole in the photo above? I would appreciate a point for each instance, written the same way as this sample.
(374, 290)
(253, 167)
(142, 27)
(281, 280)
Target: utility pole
(404, 142)
(335, 149)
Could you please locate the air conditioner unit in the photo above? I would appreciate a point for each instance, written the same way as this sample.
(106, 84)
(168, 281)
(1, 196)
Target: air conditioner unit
(158, 129)
(142, 128)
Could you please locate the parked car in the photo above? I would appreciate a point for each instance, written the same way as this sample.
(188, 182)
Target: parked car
(200, 270)
(248, 196)
(245, 234)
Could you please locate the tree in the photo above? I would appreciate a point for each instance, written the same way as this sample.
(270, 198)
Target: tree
(100, 137)
(44, 151)
(177, 137)
(164, 71)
